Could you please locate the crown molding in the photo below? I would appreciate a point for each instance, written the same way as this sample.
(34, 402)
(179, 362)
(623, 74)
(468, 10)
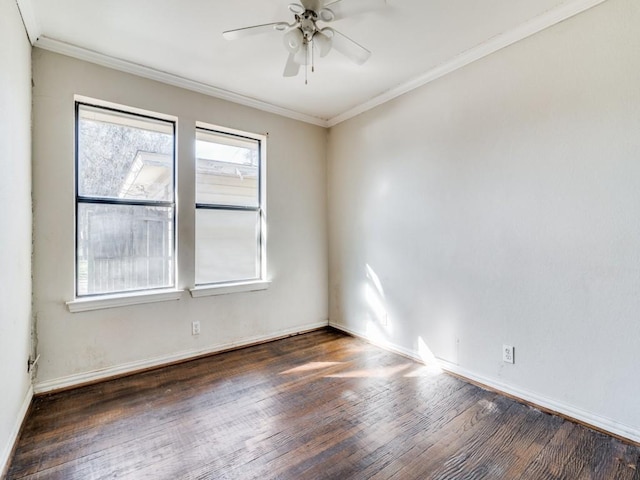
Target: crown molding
(29, 19)
(503, 40)
(527, 29)
(91, 56)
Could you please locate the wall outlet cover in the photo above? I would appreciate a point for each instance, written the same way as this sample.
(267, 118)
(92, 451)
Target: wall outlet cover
(508, 353)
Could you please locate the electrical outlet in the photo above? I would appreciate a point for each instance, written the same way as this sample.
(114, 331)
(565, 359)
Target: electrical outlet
(507, 354)
(195, 328)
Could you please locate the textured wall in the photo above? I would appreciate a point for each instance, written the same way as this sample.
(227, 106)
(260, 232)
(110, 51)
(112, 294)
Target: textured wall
(500, 204)
(74, 344)
(15, 211)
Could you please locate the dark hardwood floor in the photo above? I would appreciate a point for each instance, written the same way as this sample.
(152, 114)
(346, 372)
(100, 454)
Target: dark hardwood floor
(320, 405)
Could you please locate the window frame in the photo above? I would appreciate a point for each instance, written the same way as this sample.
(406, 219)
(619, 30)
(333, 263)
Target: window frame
(259, 282)
(123, 297)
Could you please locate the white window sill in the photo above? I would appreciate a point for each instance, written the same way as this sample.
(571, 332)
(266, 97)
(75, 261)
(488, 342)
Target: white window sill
(100, 302)
(225, 288)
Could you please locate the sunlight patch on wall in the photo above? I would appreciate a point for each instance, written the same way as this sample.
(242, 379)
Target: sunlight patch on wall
(375, 333)
(375, 280)
(375, 300)
(375, 304)
(427, 356)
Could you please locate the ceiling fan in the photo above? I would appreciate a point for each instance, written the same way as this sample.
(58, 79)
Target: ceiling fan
(304, 37)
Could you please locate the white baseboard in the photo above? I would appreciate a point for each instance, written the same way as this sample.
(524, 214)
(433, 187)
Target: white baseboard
(5, 457)
(392, 347)
(132, 367)
(569, 411)
(583, 416)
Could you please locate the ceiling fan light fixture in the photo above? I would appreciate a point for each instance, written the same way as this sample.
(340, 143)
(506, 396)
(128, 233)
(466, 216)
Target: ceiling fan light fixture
(322, 43)
(302, 56)
(293, 40)
(305, 40)
(326, 15)
(328, 32)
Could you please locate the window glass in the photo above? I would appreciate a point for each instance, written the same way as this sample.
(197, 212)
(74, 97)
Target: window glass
(123, 156)
(124, 247)
(229, 210)
(125, 202)
(227, 169)
(227, 245)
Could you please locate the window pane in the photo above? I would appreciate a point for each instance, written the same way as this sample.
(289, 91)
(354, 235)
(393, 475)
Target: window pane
(123, 247)
(227, 246)
(226, 169)
(124, 156)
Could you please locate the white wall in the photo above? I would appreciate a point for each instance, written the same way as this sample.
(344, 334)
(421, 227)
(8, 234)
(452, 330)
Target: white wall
(501, 204)
(15, 211)
(72, 345)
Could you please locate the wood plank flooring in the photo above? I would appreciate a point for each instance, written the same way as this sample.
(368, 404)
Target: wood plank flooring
(317, 406)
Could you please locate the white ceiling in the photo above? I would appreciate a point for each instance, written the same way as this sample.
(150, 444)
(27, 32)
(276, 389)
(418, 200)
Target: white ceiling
(413, 42)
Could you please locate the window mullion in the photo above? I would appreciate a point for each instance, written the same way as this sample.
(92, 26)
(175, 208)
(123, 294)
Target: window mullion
(208, 206)
(119, 201)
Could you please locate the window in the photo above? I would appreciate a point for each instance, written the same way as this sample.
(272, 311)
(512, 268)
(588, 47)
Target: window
(229, 207)
(125, 201)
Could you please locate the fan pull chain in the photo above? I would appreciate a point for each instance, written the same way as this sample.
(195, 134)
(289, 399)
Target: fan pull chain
(306, 64)
(313, 64)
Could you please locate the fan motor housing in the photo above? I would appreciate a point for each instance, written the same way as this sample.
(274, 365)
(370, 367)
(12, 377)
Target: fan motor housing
(308, 24)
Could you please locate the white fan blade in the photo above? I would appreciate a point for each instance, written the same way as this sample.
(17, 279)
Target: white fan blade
(350, 49)
(292, 68)
(350, 8)
(254, 30)
(296, 8)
